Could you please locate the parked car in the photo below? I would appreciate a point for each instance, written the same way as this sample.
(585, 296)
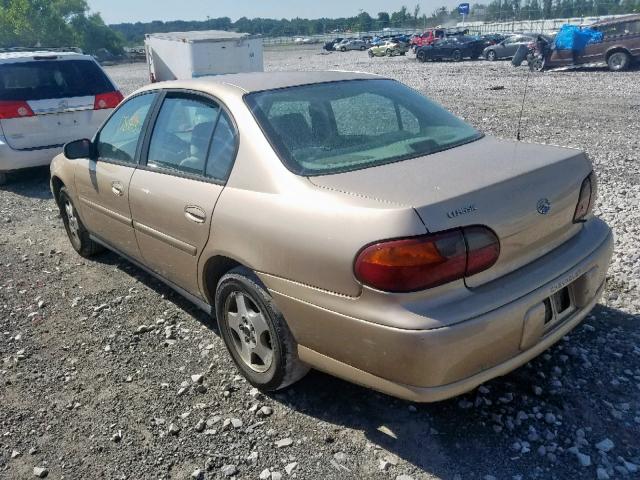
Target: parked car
(619, 49)
(351, 44)
(48, 98)
(329, 45)
(454, 48)
(507, 48)
(236, 190)
(389, 49)
(493, 38)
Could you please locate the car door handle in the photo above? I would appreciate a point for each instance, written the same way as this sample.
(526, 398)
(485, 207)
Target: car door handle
(195, 214)
(117, 188)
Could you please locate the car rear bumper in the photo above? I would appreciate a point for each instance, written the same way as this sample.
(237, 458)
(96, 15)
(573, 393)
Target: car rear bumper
(11, 159)
(435, 364)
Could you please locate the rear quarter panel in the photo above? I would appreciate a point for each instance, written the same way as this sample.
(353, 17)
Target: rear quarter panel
(275, 222)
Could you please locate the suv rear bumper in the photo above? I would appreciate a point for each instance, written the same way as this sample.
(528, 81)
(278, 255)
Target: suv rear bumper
(432, 365)
(11, 159)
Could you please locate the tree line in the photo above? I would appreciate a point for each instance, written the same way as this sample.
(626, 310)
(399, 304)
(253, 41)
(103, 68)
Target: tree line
(55, 23)
(496, 10)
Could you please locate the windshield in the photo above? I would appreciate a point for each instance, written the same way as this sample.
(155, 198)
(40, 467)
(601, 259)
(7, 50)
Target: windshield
(341, 126)
(48, 79)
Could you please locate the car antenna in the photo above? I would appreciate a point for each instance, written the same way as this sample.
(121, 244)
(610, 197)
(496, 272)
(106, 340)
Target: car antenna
(524, 97)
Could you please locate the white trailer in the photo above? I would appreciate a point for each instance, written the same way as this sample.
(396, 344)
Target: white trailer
(183, 55)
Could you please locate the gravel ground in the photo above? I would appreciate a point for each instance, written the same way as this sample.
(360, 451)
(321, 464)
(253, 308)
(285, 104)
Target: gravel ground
(87, 393)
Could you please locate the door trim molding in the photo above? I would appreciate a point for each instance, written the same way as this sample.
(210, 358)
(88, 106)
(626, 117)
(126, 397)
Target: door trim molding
(105, 211)
(169, 240)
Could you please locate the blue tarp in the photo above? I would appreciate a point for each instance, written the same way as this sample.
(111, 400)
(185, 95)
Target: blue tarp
(572, 37)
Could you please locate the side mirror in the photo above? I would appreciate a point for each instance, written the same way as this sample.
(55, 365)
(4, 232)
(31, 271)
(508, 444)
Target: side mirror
(78, 149)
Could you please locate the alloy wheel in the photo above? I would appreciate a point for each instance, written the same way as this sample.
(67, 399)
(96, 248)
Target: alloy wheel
(249, 331)
(72, 221)
(617, 61)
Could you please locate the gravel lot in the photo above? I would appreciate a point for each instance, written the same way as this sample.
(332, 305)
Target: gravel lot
(85, 393)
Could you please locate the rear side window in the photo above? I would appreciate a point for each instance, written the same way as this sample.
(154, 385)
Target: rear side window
(223, 150)
(47, 79)
(623, 28)
(182, 135)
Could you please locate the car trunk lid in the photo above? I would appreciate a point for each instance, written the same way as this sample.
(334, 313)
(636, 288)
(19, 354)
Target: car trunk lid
(526, 193)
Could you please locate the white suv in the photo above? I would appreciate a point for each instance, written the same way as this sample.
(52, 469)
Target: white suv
(48, 98)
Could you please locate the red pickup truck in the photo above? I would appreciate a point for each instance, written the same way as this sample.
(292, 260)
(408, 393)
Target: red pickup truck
(427, 38)
(431, 35)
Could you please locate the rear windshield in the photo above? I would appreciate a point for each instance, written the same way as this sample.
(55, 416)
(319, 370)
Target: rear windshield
(45, 79)
(341, 126)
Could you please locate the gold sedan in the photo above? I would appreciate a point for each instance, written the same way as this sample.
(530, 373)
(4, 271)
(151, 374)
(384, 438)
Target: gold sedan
(342, 221)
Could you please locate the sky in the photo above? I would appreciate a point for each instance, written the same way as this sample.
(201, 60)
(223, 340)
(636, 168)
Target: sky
(117, 11)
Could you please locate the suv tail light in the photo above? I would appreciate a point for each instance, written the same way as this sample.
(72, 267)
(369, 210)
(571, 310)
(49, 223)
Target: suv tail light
(14, 109)
(588, 193)
(419, 263)
(107, 100)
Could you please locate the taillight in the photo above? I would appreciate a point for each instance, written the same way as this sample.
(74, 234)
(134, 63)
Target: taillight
(483, 249)
(13, 109)
(107, 100)
(586, 199)
(419, 263)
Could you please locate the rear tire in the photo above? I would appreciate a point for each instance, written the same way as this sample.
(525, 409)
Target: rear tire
(256, 333)
(76, 231)
(389, 52)
(619, 61)
(456, 56)
(421, 56)
(343, 49)
(370, 54)
(363, 48)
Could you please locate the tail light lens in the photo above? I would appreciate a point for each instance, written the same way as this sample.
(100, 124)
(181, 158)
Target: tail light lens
(107, 100)
(587, 198)
(419, 263)
(13, 109)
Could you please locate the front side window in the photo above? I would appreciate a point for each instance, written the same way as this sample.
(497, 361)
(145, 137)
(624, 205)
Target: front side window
(342, 126)
(182, 134)
(118, 139)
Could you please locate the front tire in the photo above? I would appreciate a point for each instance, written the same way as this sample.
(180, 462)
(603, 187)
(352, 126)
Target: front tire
(370, 54)
(256, 333)
(456, 56)
(389, 52)
(76, 231)
(491, 55)
(421, 56)
(619, 61)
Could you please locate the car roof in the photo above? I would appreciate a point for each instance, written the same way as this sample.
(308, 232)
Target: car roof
(260, 81)
(26, 56)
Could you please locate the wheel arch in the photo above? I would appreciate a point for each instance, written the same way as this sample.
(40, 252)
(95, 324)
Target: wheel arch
(56, 186)
(616, 49)
(215, 267)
